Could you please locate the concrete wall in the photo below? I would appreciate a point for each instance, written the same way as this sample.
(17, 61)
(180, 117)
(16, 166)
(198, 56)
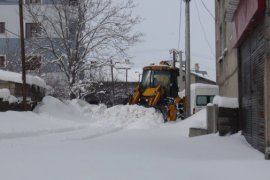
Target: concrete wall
(226, 55)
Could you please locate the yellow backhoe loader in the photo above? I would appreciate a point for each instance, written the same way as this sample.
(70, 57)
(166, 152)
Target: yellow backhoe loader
(159, 89)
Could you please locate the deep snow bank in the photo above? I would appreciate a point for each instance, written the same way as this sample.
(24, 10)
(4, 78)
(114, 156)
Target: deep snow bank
(53, 115)
(120, 116)
(181, 128)
(130, 117)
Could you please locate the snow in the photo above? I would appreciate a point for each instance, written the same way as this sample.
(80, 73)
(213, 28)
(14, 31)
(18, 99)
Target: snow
(17, 78)
(75, 140)
(120, 116)
(6, 96)
(227, 102)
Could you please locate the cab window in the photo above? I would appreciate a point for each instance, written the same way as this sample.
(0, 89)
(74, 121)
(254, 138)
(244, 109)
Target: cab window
(203, 100)
(146, 79)
(162, 78)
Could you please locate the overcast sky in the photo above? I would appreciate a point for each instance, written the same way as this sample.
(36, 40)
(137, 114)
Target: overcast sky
(161, 33)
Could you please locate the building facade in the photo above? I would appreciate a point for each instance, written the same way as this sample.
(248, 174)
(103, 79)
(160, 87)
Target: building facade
(38, 60)
(243, 64)
(33, 33)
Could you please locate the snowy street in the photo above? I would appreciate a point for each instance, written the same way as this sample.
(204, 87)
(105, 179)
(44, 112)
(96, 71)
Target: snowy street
(57, 142)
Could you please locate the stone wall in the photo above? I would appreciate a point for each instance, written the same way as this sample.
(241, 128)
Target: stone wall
(34, 95)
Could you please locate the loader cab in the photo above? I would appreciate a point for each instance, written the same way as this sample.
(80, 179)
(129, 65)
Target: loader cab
(166, 77)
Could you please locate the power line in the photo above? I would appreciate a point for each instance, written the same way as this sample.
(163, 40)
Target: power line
(209, 12)
(180, 23)
(204, 32)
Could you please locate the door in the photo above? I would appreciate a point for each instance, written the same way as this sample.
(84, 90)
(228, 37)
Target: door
(252, 53)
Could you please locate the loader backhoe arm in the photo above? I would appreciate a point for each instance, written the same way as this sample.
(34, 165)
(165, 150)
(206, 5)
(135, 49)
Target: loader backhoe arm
(137, 95)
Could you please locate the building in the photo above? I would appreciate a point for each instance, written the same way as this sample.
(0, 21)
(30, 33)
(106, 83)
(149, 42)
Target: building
(243, 64)
(34, 35)
(39, 35)
(194, 78)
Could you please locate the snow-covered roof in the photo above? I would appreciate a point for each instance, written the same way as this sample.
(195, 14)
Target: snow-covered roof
(227, 102)
(17, 78)
(201, 85)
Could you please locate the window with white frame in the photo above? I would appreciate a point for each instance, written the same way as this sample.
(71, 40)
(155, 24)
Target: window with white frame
(32, 1)
(73, 2)
(33, 30)
(33, 62)
(2, 27)
(2, 61)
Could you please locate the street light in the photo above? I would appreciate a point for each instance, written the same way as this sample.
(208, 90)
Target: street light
(139, 75)
(125, 68)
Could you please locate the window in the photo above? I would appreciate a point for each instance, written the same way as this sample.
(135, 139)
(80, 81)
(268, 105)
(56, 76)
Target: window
(32, 1)
(73, 2)
(162, 78)
(146, 79)
(33, 30)
(2, 27)
(32, 62)
(203, 100)
(2, 61)
(154, 78)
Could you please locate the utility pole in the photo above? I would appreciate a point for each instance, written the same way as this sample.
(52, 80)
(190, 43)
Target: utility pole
(112, 79)
(187, 44)
(127, 80)
(22, 54)
(174, 52)
(180, 68)
(174, 57)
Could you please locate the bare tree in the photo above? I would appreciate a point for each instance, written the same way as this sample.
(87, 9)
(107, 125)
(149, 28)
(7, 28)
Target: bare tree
(72, 34)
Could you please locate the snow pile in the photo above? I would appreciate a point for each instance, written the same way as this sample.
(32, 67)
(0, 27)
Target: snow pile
(55, 108)
(53, 116)
(6, 96)
(17, 78)
(120, 116)
(131, 117)
(197, 120)
(86, 109)
(226, 102)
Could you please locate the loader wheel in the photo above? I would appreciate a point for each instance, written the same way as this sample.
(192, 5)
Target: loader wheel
(172, 112)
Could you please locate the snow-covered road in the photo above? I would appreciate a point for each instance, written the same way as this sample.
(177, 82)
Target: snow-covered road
(75, 141)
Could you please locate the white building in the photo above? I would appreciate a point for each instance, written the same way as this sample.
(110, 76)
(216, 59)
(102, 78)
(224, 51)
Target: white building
(10, 31)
